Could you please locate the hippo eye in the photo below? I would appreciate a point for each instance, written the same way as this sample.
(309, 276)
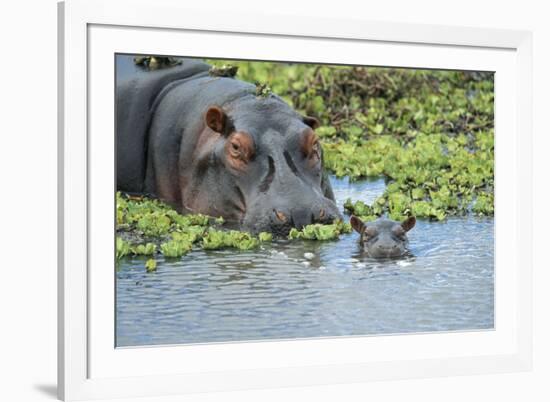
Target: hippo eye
(314, 155)
(239, 149)
(399, 232)
(235, 149)
(311, 148)
(315, 150)
(370, 233)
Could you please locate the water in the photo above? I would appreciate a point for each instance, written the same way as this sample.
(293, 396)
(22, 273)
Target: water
(276, 293)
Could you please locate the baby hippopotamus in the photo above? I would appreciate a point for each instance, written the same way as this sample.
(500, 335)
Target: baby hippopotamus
(383, 238)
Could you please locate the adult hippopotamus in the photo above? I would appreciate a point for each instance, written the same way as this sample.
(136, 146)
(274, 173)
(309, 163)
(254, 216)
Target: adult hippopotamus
(212, 145)
(383, 238)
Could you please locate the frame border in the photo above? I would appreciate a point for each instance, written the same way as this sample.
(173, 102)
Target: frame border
(74, 16)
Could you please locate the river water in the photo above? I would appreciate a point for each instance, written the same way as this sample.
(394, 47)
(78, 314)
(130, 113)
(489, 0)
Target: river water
(276, 293)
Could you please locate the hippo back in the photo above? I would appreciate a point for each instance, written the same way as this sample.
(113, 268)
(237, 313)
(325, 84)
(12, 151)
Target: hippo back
(136, 100)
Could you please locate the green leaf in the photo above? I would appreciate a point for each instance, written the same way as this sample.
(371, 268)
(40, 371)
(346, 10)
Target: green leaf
(175, 248)
(378, 129)
(265, 237)
(122, 248)
(145, 249)
(326, 131)
(294, 234)
(151, 265)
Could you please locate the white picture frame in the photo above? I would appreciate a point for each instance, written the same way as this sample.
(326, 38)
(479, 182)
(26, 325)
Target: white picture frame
(89, 365)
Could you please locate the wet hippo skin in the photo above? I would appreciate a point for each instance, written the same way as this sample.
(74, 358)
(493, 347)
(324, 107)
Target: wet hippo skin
(210, 145)
(383, 238)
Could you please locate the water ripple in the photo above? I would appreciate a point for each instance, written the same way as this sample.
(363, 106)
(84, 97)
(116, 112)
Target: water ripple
(277, 293)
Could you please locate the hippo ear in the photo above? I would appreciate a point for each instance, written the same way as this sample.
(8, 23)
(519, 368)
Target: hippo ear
(216, 119)
(357, 224)
(311, 121)
(408, 223)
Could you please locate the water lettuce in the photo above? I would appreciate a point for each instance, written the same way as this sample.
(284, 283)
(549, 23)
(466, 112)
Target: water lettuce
(151, 265)
(123, 248)
(320, 232)
(218, 239)
(175, 248)
(144, 249)
(265, 237)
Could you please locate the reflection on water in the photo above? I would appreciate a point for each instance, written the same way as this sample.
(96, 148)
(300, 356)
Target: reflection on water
(276, 292)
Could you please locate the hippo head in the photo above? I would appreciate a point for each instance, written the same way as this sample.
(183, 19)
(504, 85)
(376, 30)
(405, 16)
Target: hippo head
(383, 238)
(259, 164)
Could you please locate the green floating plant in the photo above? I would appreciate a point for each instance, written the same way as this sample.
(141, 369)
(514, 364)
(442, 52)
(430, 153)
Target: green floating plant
(319, 231)
(156, 227)
(154, 219)
(144, 249)
(151, 265)
(175, 248)
(265, 237)
(218, 239)
(123, 248)
(484, 204)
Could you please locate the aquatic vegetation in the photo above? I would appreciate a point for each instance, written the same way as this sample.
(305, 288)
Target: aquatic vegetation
(429, 183)
(428, 132)
(362, 210)
(122, 248)
(218, 239)
(154, 227)
(154, 224)
(433, 141)
(144, 249)
(151, 265)
(265, 237)
(321, 232)
(435, 169)
(151, 218)
(189, 234)
(175, 248)
(484, 204)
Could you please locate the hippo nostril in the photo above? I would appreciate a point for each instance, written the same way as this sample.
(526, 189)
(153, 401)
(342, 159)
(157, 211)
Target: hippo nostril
(322, 213)
(282, 217)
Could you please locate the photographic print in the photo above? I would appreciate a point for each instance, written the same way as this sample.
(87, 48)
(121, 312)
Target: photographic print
(266, 200)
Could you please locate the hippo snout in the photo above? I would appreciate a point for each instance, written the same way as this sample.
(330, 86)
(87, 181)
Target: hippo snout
(282, 220)
(279, 219)
(301, 217)
(386, 251)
